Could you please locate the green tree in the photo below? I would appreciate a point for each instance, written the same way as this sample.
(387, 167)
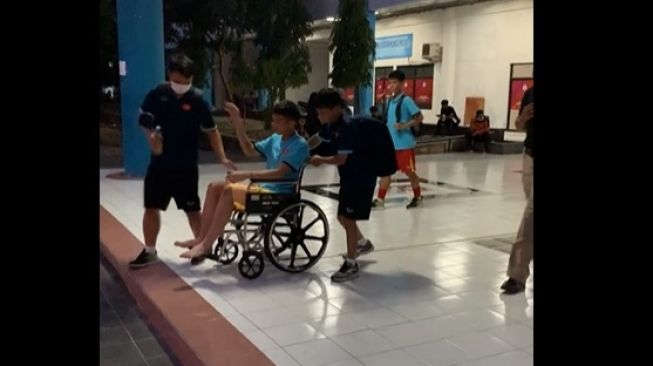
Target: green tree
(284, 59)
(203, 27)
(352, 43)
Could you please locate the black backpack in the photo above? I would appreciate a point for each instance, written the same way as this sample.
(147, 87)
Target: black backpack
(374, 144)
(386, 106)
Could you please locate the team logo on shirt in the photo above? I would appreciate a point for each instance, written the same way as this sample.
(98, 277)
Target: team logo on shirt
(185, 107)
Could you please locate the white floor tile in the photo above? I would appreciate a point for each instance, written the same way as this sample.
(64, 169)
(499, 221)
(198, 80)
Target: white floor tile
(379, 317)
(274, 317)
(338, 324)
(363, 343)
(418, 310)
(318, 352)
(481, 319)
(517, 335)
(440, 353)
(513, 358)
(478, 345)
(286, 335)
(392, 358)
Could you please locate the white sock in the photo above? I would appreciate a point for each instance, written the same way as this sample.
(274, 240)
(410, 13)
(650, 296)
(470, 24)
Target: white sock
(350, 260)
(150, 250)
(361, 242)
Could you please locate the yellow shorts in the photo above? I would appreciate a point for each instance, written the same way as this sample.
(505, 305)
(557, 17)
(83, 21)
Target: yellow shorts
(240, 191)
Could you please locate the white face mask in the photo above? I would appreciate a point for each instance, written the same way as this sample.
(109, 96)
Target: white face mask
(180, 89)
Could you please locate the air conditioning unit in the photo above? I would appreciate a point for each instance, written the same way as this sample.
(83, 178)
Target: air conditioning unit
(432, 52)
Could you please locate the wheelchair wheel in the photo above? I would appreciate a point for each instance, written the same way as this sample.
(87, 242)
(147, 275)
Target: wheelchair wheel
(251, 264)
(297, 236)
(229, 253)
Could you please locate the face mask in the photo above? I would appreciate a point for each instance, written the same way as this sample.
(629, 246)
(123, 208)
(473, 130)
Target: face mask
(180, 89)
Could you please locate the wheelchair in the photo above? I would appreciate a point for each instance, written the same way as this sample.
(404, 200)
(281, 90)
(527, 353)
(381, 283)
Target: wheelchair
(291, 232)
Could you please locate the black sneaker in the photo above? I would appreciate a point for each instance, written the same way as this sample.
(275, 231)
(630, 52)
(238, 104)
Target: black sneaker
(197, 260)
(144, 259)
(366, 248)
(415, 202)
(347, 272)
(512, 286)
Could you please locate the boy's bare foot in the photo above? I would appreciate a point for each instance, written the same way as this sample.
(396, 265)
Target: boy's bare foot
(187, 243)
(197, 251)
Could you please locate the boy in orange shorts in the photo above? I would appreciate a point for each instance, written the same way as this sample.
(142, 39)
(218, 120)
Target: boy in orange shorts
(409, 116)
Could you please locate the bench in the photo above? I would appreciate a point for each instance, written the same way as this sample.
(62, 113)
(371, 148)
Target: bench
(439, 144)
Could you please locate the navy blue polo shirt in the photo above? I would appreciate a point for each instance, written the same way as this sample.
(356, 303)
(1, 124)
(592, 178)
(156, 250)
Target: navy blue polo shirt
(340, 138)
(181, 120)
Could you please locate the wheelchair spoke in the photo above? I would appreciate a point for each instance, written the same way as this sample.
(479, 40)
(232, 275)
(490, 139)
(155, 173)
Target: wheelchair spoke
(312, 237)
(293, 254)
(283, 243)
(311, 224)
(283, 247)
(308, 254)
(279, 251)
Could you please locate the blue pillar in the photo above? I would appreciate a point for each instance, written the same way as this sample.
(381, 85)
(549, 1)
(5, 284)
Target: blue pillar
(140, 48)
(366, 93)
(263, 96)
(208, 89)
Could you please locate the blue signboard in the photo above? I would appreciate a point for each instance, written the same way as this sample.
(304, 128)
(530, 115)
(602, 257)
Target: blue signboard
(399, 46)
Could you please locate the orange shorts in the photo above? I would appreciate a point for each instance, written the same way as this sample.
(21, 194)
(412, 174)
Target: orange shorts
(406, 160)
(240, 191)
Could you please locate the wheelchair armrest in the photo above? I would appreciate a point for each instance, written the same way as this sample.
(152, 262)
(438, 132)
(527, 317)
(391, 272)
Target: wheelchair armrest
(280, 180)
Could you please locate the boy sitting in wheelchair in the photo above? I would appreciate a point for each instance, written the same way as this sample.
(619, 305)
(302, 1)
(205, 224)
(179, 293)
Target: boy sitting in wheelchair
(285, 153)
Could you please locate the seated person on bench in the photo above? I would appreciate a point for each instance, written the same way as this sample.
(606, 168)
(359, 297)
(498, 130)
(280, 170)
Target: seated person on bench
(448, 120)
(479, 131)
(285, 154)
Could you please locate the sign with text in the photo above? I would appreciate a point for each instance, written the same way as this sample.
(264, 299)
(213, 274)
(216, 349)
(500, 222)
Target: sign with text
(399, 46)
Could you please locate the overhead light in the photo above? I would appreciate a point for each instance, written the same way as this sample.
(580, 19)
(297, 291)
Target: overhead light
(376, 12)
(331, 19)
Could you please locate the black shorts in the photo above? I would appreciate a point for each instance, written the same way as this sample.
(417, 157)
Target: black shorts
(163, 184)
(355, 199)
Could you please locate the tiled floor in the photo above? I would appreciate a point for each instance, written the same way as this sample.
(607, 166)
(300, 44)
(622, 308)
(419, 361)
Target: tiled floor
(427, 296)
(125, 339)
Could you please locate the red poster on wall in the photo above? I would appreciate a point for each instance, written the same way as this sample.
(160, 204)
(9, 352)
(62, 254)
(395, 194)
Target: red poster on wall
(349, 96)
(409, 88)
(424, 93)
(517, 89)
(379, 90)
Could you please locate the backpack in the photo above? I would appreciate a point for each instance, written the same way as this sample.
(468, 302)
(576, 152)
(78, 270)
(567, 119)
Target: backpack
(386, 106)
(375, 145)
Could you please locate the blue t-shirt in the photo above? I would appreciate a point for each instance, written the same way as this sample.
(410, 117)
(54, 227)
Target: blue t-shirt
(292, 152)
(403, 139)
